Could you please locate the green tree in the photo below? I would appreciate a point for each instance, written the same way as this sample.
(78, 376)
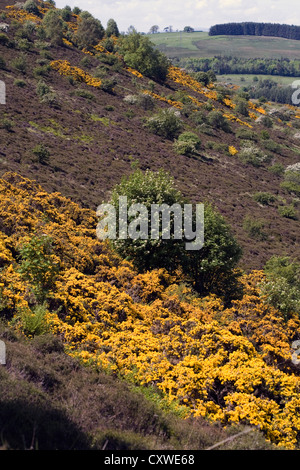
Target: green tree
(208, 269)
(140, 53)
(216, 119)
(90, 30)
(38, 264)
(165, 123)
(282, 286)
(187, 144)
(31, 7)
(147, 188)
(54, 27)
(112, 28)
(212, 269)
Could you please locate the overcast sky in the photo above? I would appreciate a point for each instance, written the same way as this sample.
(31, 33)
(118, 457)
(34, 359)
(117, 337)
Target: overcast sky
(142, 14)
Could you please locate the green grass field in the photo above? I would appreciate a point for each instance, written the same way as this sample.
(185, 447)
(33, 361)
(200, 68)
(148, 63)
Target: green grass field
(200, 44)
(247, 79)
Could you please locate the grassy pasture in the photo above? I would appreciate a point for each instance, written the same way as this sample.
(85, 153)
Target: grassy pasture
(200, 44)
(247, 79)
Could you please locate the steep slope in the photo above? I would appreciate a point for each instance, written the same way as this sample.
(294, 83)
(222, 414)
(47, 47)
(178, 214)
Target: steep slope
(93, 136)
(194, 356)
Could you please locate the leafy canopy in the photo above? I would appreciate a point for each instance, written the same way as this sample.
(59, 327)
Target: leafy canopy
(208, 268)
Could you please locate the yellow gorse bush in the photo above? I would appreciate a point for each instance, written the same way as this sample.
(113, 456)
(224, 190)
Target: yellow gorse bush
(232, 150)
(229, 365)
(174, 103)
(65, 68)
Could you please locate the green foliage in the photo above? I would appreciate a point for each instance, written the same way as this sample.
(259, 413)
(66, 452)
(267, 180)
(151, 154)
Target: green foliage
(291, 182)
(6, 124)
(31, 7)
(84, 94)
(42, 153)
(277, 169)
(53, 26)
(246, 134)
(207, 269)
(32, 322)
(217, 120)
(4, 39)
(66, 13)
(108, 84)
(282, 287)
(254, 228)
(251, 154)
(165, 123)
(112, 28)
(265, 135)
(264, 198)
(20, 63)
(242, 107)
(187, 144)
(289, 212)
(38, 265)
(19, 82)
(140, 53)
(46, 94)
(148, 188)
(272, 146)
(90, 31)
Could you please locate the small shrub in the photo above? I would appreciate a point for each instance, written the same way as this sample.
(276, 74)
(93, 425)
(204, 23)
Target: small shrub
(166, 123)
(288, 212)
(277, 169)
(250, 154)
(42, 154)
(272, 146)
(264, 198)
(217, 120)
(254, 228)
(187, 144)
(108, 85)
(6, 124)
(84, 94)
(19, 82)
(4, 39)
(282, 286)
(246, 134)
(31, 7)
(41, 70)
(32, 322)
(23, 44)
(265, 135)
(20, 63)
(267, 121)
(291, 182)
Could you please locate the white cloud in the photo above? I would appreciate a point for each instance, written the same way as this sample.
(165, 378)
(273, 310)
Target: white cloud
(196, 13)
(230, 3)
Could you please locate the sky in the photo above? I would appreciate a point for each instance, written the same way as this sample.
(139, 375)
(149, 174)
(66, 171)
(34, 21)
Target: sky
(199, 14)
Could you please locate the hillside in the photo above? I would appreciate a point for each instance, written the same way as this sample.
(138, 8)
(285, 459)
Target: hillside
(80, 113)
(200, 364)
(93, 139)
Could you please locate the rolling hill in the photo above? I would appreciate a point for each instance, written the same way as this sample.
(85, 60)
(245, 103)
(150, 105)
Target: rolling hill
(93, 136)
(200, 44)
